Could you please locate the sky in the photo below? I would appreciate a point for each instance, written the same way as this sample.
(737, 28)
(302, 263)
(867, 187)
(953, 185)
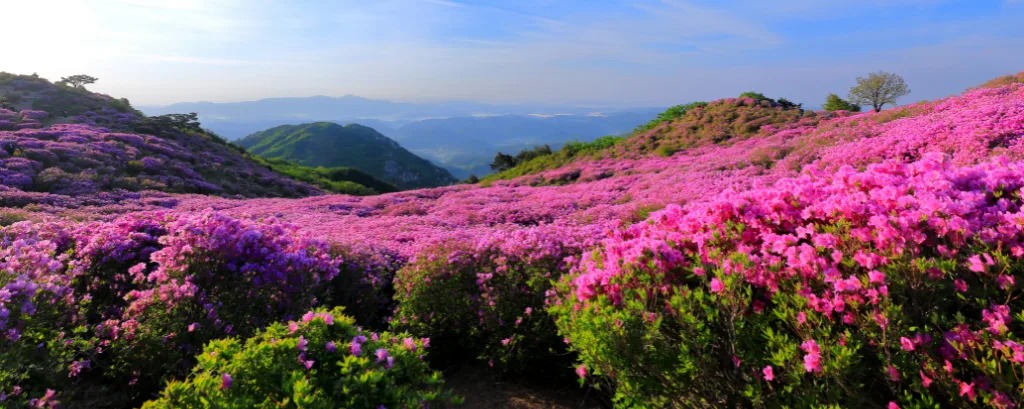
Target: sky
(574, 52)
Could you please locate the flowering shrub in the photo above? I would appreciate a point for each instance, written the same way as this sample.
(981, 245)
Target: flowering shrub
(124, 304)
(321, 361)
(896, 284)
(487, 300)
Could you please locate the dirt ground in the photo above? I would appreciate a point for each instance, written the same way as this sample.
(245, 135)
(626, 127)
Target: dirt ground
(482, 391)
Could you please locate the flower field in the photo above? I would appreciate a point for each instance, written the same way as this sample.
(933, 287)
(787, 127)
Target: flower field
(742, 255)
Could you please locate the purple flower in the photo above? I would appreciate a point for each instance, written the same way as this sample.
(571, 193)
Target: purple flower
(225, 381)
(331, 347)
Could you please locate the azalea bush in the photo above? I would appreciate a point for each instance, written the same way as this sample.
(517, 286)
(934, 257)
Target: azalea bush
(320, 361)
(896, 284)
(109, 310)
(488, 301)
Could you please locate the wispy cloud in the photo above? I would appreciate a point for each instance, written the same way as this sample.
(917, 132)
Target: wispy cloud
(621, 51)
(445, 3)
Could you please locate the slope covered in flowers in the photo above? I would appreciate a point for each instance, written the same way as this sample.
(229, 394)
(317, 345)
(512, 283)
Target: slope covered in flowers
(860, 260)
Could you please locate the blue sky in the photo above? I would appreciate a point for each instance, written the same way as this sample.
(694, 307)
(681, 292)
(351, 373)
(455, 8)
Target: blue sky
(600, 52)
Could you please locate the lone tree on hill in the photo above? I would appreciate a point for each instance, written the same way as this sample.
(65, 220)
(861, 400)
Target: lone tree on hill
(78, 81)
(878, 89)
(503, 162)
(834, 103)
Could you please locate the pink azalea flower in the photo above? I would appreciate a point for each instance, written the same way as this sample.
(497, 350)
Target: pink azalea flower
(717, 286)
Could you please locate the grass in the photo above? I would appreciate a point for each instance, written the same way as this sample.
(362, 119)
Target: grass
(342, 180)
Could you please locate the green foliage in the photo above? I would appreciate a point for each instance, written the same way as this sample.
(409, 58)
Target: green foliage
(487, 305)
(334, 179)
(160, 125)
(787, 104)
(121, 105)
(670, 114)
(503, 162)
(757, 96)
(573, 148)
(551, 160)
(350, 146)
(77, 81)
(268, 370)
(666, 151)
(878, 89)
(834, 103)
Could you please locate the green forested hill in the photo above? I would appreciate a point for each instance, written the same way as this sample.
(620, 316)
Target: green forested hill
(355, 146)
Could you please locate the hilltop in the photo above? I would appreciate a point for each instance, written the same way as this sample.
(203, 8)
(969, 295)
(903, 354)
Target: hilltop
(356, 146)
(740, 252)
(103, 146)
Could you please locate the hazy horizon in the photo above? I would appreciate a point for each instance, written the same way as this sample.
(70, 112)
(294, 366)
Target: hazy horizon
(607, 53)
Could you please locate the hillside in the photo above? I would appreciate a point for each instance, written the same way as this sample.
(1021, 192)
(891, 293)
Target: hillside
(30, 92)
(734, 254)
(103, 146)
(356, 146)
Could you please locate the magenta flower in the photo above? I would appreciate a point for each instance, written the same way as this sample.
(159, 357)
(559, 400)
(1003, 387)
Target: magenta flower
(812, 362)
(581, 371)
(894, 375)
(717, 286)
(769, 373)
(967, 389)
(906, 344)
(302, 343)
(225, 381)
(382, 354)
(925, 380)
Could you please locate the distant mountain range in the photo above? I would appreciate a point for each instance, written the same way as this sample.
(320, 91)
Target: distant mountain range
(460, 136)
(353, 107)
(331, 145)
(468, 144)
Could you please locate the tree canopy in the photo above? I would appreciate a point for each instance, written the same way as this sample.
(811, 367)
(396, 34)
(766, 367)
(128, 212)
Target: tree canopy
(878, 89)
(78, 81)
(834, 103)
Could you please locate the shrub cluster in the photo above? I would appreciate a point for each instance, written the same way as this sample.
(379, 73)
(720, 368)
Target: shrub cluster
(892, 286)
(104, 312)
(320, 361)
(486, 300)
